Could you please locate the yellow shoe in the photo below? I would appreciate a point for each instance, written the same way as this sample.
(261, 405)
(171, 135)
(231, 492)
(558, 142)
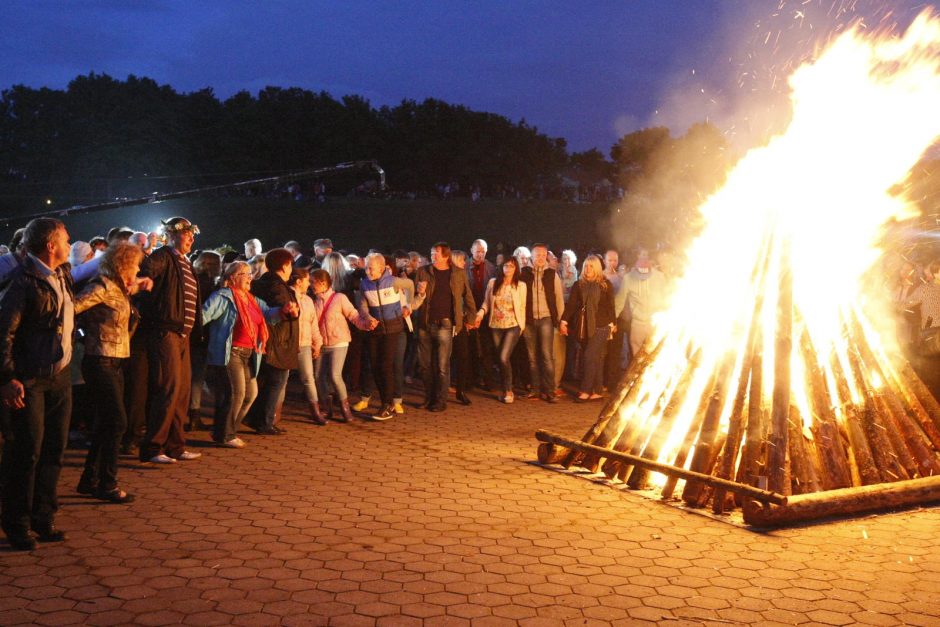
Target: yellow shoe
(399, 409)
(363, 404)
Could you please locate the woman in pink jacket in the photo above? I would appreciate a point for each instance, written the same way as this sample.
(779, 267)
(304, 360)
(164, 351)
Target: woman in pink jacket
(333, 310)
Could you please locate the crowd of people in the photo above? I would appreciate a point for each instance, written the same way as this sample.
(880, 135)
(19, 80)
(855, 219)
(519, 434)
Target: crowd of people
(134, 325)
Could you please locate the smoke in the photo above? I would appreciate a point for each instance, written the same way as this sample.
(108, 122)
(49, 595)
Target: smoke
(741, 90)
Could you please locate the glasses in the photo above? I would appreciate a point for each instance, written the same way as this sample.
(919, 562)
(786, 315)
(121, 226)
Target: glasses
(243, 274)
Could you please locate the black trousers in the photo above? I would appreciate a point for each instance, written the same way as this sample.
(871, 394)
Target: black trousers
(33, 450)
(463, 369)
(136, 390)
(382, 349)
(483, 355)
(104, 377)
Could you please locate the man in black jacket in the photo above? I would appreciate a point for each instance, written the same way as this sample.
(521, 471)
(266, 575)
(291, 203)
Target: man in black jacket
(283, 348)
(36, 324)
(169, 314)
(479, 273)
(443, 299)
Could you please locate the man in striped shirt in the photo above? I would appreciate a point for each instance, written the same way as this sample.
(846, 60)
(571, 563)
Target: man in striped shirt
(169, 318)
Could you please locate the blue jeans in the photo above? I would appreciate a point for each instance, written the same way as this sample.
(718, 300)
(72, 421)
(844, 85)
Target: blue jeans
(505, 341)
(306, 370)
(539, 342)
(434, 346)
(235, 391)
(329, 369)
(274, 387)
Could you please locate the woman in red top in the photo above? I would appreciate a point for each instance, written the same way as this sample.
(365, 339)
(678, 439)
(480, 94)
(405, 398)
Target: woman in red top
(237, 338)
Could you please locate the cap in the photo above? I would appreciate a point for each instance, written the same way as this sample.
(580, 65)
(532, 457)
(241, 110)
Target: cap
(79, 253)
(178, 225)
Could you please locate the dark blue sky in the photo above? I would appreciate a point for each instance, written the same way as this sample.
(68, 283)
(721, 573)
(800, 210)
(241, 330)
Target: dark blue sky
(587, 71)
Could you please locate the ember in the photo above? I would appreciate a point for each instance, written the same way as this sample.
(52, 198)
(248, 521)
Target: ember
(778, 372)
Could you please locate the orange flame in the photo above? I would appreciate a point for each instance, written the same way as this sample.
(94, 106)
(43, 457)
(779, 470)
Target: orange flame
(812, 202)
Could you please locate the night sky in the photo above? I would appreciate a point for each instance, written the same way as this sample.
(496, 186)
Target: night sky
(587, 71)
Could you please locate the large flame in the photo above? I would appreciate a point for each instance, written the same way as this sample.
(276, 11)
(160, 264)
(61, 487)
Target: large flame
(812, 202)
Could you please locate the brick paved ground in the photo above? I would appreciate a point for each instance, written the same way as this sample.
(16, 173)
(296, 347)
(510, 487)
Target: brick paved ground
(443, 519)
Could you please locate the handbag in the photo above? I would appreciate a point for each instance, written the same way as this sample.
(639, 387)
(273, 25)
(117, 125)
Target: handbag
(581, 330)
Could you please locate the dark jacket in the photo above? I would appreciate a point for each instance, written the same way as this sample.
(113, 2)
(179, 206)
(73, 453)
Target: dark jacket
(30, 326)
(461, 296)
(284, 341)
(489, 272)
(550, 285)
(163, 308)
(603, 316)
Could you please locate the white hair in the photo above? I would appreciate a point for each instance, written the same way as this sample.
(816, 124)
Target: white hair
(570, 254)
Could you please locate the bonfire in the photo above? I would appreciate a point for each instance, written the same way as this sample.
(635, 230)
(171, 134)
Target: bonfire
(773, 381)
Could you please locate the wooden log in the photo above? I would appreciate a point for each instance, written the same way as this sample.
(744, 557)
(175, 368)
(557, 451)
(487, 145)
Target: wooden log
(900, 387)
(910, 440)
(860, 450)
(729, 454)
(909, 377)
(855, 500)
(777, 467)
(831, 454)
(752, 467)
(915, 408)
(763, 496)
(611, 422)
(689, 440)
(803, 477)
(551, 454)
(707, 490)
(891, 460)
(705, 444)
(639, 477)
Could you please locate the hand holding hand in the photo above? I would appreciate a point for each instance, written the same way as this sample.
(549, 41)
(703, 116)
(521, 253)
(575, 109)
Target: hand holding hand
(290, 310)
(422, 287)
(13, 394)
(563, 327)
(142, 284)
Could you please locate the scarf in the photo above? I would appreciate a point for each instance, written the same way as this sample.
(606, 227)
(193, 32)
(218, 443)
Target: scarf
(590, 299)
(244, 303)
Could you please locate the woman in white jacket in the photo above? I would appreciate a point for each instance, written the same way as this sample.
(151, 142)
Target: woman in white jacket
(505, 302)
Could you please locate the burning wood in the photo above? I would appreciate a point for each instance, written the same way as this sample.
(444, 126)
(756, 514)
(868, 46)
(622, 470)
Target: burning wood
(774, 384)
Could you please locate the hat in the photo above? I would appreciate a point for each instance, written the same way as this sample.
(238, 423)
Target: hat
(119, 232)
(79, 253)
(326, 242)
(178, 225)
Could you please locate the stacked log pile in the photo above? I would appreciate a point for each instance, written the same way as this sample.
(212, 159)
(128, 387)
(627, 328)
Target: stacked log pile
(871, 441)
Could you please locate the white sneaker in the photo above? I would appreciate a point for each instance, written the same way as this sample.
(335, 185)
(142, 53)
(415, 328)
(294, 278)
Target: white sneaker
(185, 456)
(162, 459)
(233, 443)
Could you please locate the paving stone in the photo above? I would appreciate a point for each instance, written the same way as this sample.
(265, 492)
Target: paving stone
(440, 520)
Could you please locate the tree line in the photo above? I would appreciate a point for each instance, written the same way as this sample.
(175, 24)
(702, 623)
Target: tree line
(101, 138)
